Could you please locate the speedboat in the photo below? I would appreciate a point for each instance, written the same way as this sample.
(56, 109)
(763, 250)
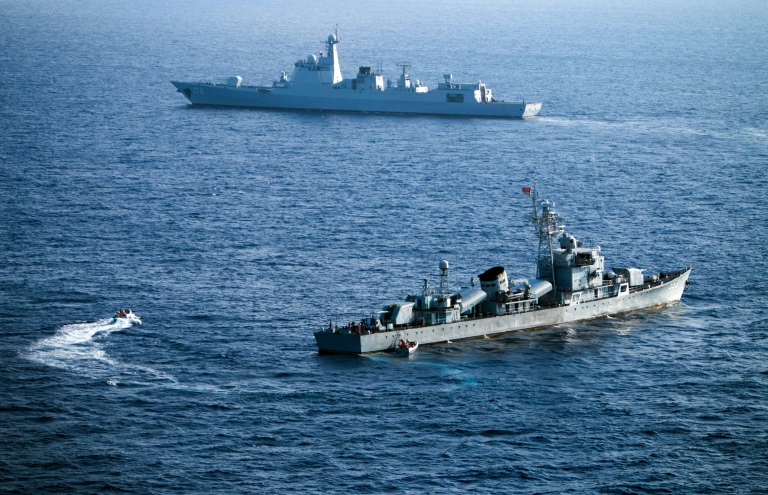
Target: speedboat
(406, 347)
(127, 315)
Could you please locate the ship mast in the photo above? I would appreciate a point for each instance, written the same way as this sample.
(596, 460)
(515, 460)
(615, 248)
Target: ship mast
(549, 226)
(333, 54)
(405, 79)
(443, 278)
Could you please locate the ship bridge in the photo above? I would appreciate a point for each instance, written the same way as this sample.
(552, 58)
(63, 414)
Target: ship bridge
(577, 267)
(323, 69)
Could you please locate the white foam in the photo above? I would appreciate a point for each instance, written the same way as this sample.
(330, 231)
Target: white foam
(79, 348)
(76, 347)
(75, 343)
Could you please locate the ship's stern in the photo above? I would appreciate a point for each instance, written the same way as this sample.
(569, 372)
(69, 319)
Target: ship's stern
(531, 109)
(338, 343)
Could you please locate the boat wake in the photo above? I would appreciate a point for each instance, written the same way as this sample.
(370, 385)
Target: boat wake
(79, 348)
(74, 344)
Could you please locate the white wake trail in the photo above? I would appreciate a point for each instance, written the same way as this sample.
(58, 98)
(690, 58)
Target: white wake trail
(73, 346)
(78, 348)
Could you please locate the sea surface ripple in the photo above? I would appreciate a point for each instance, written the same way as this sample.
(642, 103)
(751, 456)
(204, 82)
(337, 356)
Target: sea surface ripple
(235, 233)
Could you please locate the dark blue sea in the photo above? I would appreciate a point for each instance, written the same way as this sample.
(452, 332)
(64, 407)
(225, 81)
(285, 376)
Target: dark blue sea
(235, 233)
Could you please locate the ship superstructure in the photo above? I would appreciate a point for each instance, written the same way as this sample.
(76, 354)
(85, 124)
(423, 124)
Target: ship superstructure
(571, 284)
(317, 84)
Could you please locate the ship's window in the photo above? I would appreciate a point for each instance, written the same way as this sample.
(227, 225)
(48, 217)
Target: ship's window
(454, 98)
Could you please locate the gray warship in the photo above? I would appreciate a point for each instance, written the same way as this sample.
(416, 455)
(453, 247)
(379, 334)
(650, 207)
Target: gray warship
(317, 84)
(571, 285)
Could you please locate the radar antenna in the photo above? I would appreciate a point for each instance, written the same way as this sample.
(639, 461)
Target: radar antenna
(443, 277)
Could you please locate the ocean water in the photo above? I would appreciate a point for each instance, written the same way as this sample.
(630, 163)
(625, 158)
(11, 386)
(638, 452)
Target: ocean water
(235, 233)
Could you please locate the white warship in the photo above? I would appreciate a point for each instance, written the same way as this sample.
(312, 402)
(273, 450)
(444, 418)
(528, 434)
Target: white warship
(317, 84)
(571, 285)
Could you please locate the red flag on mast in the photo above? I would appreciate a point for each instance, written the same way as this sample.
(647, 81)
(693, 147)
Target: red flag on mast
(527, 190)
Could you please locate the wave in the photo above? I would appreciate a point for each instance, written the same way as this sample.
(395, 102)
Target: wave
(74, 344)
(79, 348)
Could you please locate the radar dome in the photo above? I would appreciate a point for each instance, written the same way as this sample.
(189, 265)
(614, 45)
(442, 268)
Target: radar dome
(311, 58)
(443, 265)
(332, 38)
(567, 241)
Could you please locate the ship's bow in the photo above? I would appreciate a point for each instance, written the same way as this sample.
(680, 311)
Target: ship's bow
(183, 88)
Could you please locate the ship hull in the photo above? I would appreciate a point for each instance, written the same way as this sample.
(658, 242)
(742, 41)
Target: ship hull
(657, 296)
(343, 100)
